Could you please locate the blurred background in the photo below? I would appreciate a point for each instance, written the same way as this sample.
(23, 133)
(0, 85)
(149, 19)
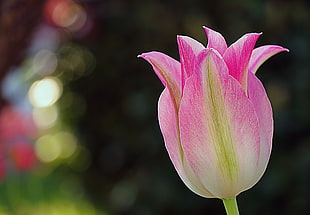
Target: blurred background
(78, 110)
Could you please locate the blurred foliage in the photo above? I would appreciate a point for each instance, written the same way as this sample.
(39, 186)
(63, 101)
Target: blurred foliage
(112, 108)
(43, 192)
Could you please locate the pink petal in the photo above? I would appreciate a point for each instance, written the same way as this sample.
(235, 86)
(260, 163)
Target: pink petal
(166, 68)
(169, 72)
(219, 136)
(237, 57)
(188, 50)
(215, 40)
(169, 125)
(245, 130)
(261, 54)
(168, 122)
(261, 103)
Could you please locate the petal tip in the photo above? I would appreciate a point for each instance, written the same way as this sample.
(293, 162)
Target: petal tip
(145, 55)
(282, 49)
(207, 30)
(255, 34)
(181, 37)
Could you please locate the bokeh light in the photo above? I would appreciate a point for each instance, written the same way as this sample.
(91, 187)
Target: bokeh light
(45, 92)
(47, 148)
(52, 147)
(45, 117)
(67, 14)
(75, 62)
(68, 143)
(44, 62)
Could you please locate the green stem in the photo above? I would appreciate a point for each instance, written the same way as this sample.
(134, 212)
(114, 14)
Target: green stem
(231, 206)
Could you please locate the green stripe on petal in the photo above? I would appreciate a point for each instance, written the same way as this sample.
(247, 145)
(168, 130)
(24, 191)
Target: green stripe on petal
(218, 127)
(218, 121)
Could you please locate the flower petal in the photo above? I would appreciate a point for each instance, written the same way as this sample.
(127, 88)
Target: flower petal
(237, 57)
(219, 135)
(261, 54)
(188, 50)
(263, 109)
(169, 72)
(169, 125)
(168, 122)
(215, 40)
(245, 129)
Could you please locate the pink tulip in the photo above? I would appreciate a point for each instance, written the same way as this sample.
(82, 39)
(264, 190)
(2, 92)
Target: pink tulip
(214, 113)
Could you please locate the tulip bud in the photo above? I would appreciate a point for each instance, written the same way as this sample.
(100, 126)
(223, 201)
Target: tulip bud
(214, 113)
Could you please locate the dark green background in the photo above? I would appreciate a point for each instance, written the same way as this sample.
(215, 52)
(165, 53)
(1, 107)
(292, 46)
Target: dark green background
(121, 128)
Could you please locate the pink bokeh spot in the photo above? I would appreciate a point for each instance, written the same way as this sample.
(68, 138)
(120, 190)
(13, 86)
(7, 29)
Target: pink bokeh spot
(23, 156)
(17, 131)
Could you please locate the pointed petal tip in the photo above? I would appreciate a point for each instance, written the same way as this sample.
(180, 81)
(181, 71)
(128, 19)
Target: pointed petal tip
(249, 37)
(280, 48)
(181, 37)
(256, 35)
(263, 53)
(206, 28)
(189, 45)
(215, 40)
(185, 38)
(209, 30)
(145, 55)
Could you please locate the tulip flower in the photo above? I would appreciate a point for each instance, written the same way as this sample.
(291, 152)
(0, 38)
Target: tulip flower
(214, 114)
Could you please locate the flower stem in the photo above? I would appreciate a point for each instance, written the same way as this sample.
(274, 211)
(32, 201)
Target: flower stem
(231, 206)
